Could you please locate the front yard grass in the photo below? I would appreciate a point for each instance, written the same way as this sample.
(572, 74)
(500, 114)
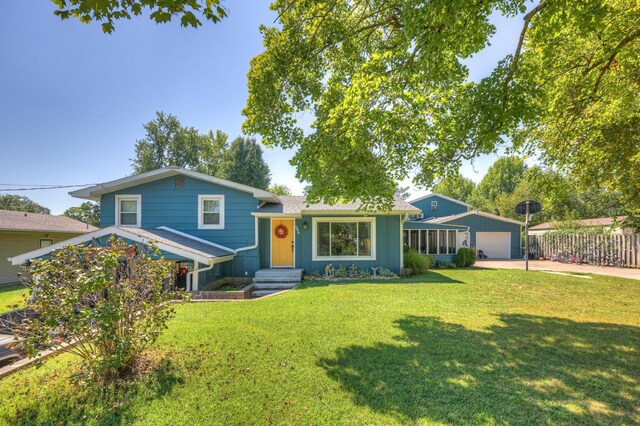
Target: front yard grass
(11, 297)
(450, 347)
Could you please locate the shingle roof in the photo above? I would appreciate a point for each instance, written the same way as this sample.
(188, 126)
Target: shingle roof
(296, 204)
(20, 221)
(183, 242)
(597, 221)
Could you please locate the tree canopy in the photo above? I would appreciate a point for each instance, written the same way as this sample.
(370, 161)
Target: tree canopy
(389, 93)
(169, 143)
(107, 12)
(455, 186)
(502, 177)
(21, 203)
(279, 189)
(243, 163)
(86, 212)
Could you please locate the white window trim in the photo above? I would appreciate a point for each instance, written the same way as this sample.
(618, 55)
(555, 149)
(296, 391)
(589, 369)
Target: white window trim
(434, 205)
(203, 197)
(45, 239)
(129, 197)
(314, 239)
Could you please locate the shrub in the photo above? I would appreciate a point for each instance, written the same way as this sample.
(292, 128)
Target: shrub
(341, 272)
(445, 265)
(415, 261)
(431, 261)
(363, 273)
(465, 257)
(387, 273)
(109, 303)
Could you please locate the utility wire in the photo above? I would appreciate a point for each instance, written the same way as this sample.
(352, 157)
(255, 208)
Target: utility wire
(40, 187)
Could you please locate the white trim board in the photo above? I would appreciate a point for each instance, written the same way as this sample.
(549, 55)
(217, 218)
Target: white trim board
(94, 192)
(435, 194)
(446, 219)
(125, 233)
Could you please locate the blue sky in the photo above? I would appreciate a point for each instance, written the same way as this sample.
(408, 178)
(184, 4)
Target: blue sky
(73, 100)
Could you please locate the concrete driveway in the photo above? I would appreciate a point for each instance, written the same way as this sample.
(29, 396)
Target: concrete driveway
(547, 265)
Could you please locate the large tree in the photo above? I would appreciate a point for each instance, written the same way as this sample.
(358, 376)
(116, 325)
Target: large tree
(169, 143)
(243, 163)
(389, 93)
(21, 203)
(107, 12)
(279, 189)
(502, 177)
(86, 212)
(455, 186)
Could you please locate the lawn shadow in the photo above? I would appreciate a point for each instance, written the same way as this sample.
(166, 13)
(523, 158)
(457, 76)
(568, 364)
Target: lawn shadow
(102, 405)
(528, 370)
(431, 277)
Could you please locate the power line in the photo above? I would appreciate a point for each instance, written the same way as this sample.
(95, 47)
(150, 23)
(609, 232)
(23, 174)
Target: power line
(39, 187)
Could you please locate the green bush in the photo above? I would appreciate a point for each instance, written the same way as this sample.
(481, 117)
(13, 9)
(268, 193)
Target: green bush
(465, 257)
(431, 261)
(416, 261)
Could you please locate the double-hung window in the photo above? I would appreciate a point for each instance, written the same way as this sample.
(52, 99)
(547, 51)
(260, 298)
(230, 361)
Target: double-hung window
(344, 239)
(211, 212)
(128, 210)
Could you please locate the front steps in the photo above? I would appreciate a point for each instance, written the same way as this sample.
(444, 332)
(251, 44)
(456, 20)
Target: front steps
(269, 281)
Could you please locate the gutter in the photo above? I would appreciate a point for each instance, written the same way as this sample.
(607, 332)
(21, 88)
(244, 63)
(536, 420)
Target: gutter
(255, 245)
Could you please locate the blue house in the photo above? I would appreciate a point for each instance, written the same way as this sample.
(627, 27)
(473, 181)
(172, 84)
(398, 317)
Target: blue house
(446, 224)
(214, 228)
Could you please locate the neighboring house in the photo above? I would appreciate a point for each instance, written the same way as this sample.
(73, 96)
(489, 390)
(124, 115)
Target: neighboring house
(612, 223)
(446, 224)
(20, 232)
(216, 228)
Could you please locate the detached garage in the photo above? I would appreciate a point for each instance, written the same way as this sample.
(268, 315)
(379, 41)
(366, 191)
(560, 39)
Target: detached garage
(498, 237)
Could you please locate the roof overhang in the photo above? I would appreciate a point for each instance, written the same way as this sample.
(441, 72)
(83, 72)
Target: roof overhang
(177, 249)
(94, 192)
(447, 219)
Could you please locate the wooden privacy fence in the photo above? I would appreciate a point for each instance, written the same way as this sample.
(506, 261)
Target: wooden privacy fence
(606, 249)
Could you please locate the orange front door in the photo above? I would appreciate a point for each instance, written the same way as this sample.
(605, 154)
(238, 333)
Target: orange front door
(282, 242)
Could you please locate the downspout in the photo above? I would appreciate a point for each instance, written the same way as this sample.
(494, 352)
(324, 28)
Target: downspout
(197, 271)
(256, 239)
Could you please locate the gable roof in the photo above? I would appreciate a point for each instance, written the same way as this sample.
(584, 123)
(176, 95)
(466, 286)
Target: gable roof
(22, 221)
(435, 194)
(94, 192)
(446, 219)
(296, 205)
(597, 221)
(165, 239)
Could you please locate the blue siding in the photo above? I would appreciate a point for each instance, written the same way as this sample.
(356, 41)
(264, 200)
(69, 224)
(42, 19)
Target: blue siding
(427, 225)
(166, 204)
(387, 246)
(445, 207)
(484, 224)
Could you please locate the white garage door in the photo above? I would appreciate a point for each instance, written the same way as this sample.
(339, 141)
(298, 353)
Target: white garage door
(495, 245)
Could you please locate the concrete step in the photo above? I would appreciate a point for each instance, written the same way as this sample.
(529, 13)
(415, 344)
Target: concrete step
(260, 293)
(278, 276)
(274, 286)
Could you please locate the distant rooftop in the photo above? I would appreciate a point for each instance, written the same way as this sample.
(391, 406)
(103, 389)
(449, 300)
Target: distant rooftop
(597, 221)
(296, 204)
(22, 221)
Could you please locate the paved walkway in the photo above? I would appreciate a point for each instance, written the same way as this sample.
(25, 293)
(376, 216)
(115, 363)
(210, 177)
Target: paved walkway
(547, 265)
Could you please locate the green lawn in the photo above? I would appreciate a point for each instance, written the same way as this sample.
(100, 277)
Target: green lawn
(11, 297)
(451, 347)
